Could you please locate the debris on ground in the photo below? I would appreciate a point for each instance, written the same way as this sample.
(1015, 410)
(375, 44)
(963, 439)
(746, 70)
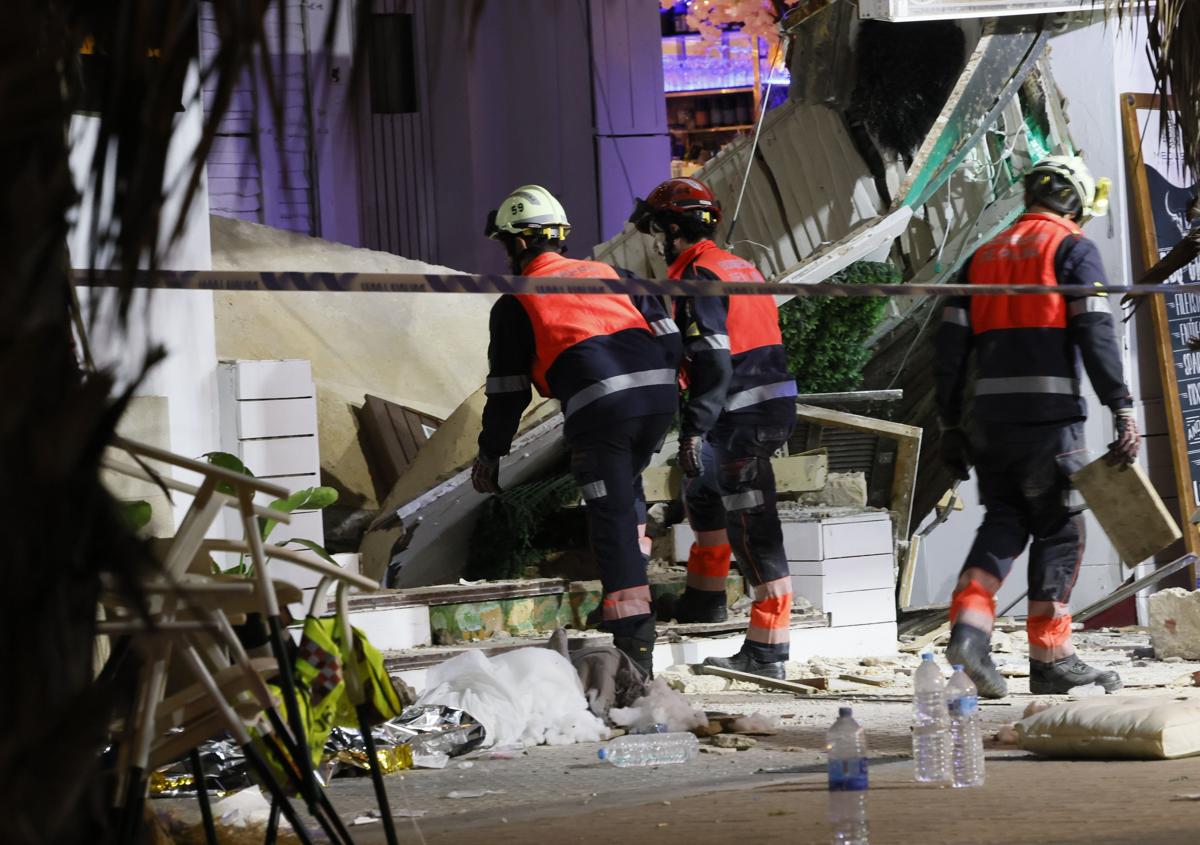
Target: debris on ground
(661, 705)
(473, 793)
(1175, 623)
(1007, 735)
(245, 808)
(756, 723)
(734, 741)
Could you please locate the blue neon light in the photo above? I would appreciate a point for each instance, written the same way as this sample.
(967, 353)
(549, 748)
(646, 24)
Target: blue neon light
(730, 67)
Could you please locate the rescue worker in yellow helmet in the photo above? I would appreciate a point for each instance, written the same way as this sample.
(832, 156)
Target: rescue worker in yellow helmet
(1025, 432)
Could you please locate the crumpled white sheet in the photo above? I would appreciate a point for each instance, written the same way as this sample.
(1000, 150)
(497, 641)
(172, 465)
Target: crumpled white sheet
(529, 696)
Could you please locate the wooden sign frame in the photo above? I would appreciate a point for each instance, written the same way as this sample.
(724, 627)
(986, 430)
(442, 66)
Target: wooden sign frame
(1131, 106)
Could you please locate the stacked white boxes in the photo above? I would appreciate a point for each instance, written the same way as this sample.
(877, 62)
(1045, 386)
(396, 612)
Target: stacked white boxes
(269, 420)
(845, 566)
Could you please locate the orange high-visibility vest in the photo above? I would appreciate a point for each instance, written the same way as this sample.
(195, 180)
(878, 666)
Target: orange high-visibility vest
(751, 321)
(1021, 255)
(561, 320)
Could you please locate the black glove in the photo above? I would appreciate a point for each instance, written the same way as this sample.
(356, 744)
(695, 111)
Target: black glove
(485, 474)
(955, 452)
(689, 455)
(1124, 450)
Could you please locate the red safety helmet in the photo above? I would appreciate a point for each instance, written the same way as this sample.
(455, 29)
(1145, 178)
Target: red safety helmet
(684, 197)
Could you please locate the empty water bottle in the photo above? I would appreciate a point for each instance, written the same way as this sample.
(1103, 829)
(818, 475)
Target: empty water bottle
(654, 749)
(931, 724)
(846, 747)
(966, 737)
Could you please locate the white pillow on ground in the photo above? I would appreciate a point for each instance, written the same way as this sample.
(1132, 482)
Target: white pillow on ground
(1114, 727)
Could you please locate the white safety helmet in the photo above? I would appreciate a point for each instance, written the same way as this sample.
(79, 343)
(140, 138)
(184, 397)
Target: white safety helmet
(529, 210)
(1064, 184)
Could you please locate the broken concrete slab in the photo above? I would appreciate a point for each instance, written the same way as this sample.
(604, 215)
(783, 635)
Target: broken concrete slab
(794, 474)
(734, 741)
(841, 490)
(1175, 623)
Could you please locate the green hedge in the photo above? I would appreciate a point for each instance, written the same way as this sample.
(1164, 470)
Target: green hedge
(825, 336)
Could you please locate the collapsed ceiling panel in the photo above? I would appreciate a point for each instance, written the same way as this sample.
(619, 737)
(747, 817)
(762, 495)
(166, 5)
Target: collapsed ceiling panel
(808, 186)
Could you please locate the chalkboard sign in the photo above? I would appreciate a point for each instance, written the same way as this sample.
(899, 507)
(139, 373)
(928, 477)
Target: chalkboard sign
(1161, 190)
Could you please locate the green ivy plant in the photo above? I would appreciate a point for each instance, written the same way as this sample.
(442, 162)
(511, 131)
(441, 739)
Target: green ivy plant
(310, 498)
(825, 336)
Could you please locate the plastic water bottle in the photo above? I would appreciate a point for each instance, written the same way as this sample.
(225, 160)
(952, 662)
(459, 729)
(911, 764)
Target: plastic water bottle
(846, 747)
(966, 739)
(654, 749)
(931, 724)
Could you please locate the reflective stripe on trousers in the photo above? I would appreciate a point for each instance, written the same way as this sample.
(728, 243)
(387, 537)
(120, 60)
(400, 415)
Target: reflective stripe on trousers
(708, 567)
(974, 601)
(593, 490)
(1049, 629)
(771, 613)
(621, 604)
(624, 381)
(743, 501)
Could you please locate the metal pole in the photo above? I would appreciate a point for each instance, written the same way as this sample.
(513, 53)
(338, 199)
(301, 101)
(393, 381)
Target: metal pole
(210, 830)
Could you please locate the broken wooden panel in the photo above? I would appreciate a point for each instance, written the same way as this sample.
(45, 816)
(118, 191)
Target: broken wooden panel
(392, 434)
(885, 451)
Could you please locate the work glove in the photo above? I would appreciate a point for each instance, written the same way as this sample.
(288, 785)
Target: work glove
(485, 474)
(689, 455)
(955, 452)
(1124, 450)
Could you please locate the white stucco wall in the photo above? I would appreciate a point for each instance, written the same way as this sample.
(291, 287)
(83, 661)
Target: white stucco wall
(180, 321)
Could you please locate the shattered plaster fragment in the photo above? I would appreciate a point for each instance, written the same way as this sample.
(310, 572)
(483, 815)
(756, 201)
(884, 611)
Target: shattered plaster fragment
(1175, 623)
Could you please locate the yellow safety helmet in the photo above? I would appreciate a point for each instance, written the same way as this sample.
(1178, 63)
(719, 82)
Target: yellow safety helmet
(529, 210)
(1064, 184)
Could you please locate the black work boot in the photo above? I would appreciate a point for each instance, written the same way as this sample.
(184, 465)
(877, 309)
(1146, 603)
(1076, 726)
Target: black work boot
(639, 645)
(694, 606)
(744, 661)
(1059, 677)
(972, 648)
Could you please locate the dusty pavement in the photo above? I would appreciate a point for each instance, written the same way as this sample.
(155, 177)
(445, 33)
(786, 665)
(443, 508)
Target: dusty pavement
(564, 794)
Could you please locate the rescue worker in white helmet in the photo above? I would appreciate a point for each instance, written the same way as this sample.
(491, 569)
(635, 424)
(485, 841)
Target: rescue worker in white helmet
(606, 362)
(1024, 431)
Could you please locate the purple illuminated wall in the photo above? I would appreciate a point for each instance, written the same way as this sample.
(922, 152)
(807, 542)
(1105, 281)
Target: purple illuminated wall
(565, 94)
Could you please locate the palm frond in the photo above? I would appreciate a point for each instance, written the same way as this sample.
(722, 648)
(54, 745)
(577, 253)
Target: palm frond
(1173, 50)
(61, 525)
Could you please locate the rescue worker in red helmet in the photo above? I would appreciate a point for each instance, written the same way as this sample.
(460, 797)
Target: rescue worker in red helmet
(600, 357)
(740, 409)
(1025, 436)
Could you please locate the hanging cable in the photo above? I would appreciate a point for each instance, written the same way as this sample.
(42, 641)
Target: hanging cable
(780, 48)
